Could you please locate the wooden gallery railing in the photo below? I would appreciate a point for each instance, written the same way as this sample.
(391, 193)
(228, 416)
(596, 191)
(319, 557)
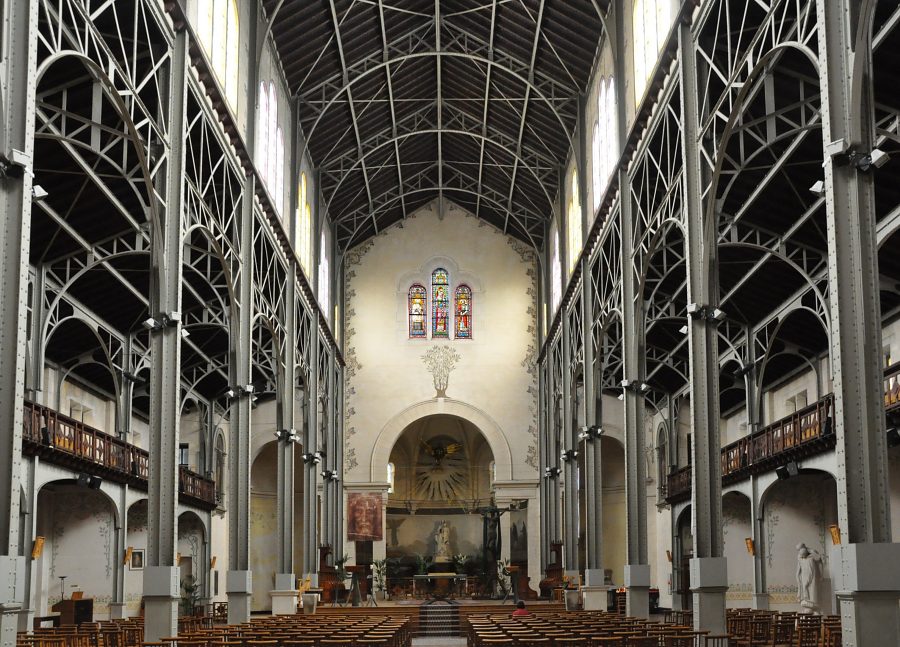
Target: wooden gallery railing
(65, 441)
(803, 433)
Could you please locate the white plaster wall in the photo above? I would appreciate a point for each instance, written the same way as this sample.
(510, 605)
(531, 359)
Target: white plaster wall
(735, 529)
(796, 510)
(385, 373)
(78, 525)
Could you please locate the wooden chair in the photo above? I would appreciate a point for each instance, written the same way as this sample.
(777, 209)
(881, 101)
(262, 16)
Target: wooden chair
(718, 640)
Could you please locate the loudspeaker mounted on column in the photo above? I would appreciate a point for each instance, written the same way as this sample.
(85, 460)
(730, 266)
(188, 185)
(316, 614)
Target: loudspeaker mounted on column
(37, 547)
(835, 531)
(128, 552)
(751, 546)
(212, 562)
(177, 558)
(669, 556)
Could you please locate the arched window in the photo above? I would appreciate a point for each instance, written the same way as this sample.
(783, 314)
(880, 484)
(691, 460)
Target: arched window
(220, 467)
(270, 144)
(262, 128)
(555, 274)
(662, 461)
(218, 29)
(440, 304)
(324, 272)
(605, 153)
(573, 222)
(650, 24)
(303, 232)
(390, 477)
(417, 307)
(278, 171)
(463, 312)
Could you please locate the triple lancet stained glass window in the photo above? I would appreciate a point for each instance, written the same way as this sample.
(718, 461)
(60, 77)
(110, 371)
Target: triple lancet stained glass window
(463, 320)
(418, 304)
(440, 304)
(450, 309)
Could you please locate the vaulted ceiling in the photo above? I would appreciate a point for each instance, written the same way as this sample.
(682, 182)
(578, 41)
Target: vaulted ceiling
(403, 101)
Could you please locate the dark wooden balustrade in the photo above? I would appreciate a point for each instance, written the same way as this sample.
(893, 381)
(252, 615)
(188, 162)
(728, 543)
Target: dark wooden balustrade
(803, 433)
(62, 440)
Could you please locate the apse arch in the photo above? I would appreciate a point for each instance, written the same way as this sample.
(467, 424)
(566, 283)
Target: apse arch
(395, 427)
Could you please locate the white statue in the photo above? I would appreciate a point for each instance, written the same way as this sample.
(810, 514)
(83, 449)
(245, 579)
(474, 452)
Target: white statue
(442, 543)
(808, 574)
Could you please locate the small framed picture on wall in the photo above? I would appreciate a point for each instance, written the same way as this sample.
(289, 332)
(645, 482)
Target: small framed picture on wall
(137, 560)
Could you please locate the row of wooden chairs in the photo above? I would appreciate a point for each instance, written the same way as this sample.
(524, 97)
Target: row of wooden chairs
(583, 629)
(759, 628)
(127, 632)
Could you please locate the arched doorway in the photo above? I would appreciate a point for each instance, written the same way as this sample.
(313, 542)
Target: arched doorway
(78, 523)
(264, 519)
(441, 471)
(797, 510)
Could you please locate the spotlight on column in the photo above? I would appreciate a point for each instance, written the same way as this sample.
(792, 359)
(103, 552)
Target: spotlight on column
(568, 455)
(590, 433)
(151, 324)
(551, 472)
(83, 479)
(683, 330)
(330, 475)
(818, 188)
(94, 482)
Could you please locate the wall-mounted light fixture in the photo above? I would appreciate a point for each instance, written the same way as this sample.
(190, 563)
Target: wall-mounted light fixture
(551, 472)
(287, 435)
(568, 455)
(590, 433)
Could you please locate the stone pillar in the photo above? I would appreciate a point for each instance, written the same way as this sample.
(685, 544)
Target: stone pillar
(709, 580)
(760, 595)
(161, 573)
(17, 102)
(866, 569)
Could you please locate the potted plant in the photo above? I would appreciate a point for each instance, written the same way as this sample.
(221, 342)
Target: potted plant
(459, 563)
(190, 595)
(379, 577)
(422, 564)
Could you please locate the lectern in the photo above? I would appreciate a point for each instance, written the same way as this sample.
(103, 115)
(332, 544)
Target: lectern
(74, 612)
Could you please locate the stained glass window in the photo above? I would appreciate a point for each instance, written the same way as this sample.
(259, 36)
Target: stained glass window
(440, 304)
(463, 320)
(418, 298)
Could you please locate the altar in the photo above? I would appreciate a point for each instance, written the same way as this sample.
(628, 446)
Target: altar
(452, 581)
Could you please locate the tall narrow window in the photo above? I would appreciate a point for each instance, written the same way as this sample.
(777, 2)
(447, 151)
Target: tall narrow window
(262, 128)
(573, 222)
(324, 273)
(418, 300)
(605, 153)
(270, 144)
(440, 304)
(650, 24)
(278, 171)
(390, 478)
(218, 29)
(463, 318)
(555, 274)
(303, 234)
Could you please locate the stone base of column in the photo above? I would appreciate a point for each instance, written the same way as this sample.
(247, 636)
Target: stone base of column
(116, 610)
(595, 598)
(761, 601)
(637, 585)
(709, 583)
(26, 619)
(12, 574)
(161, 597)
(867, 584)
(238, 588)
(284, 597)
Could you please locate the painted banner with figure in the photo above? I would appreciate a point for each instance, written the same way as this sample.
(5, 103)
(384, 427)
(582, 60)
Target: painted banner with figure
(364, 521)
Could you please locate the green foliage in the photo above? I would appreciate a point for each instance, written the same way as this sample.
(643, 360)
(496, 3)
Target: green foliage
(190, 595)
(422, 564)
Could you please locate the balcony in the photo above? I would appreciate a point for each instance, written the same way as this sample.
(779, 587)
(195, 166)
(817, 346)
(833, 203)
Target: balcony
(65, 441)
(804, 433)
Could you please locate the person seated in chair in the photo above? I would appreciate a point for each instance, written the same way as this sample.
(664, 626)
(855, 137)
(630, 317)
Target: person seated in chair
(520, 610)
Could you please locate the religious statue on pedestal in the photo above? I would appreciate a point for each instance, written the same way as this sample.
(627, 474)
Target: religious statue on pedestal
(442, 551)
(808, 574)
